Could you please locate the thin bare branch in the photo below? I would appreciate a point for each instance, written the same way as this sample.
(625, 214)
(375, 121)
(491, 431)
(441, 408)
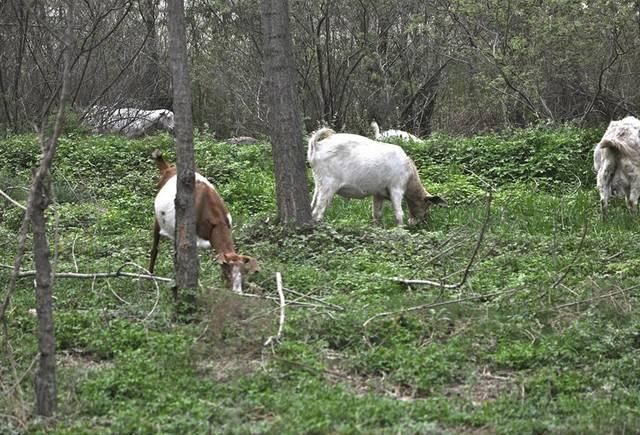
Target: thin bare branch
(278, 335)
(313, 298)
(575, 257)
(12, 201)
(436, 305)
(21, 378)
(441, 284)
(596, 298)
(117, 274)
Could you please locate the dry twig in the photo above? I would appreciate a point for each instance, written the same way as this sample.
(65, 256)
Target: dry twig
(436, 305)
(155, 283)
(596, 298)
(575, 258)
(442, 285)
(12, 201)
(313, 298)
(117, 274)
(20, 379)
(278, 335)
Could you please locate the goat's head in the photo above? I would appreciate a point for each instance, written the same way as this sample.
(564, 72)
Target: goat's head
(235, 268)
(418, 209)
(166, 120)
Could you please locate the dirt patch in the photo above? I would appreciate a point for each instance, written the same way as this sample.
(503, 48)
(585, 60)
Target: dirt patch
(364, 384)
(485, 387)
(82, 361)
(232, 341)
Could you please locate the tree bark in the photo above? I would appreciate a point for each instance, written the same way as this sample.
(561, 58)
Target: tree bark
(186, 256)
(45, 383)
(285, 126)
(151, 75)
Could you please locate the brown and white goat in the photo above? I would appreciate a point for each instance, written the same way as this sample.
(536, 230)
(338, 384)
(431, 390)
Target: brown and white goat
(356, 167)
(213, 224)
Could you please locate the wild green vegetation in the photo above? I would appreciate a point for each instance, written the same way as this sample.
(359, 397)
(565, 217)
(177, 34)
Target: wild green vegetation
(543, 336)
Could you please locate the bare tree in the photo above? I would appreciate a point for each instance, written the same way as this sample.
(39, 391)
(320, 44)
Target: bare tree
(150, 75)
(186, 257)
(285, 127)
(37, 203)
(46, 375)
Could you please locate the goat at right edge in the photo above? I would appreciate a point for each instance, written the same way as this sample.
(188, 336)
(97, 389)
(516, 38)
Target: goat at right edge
(616, 159)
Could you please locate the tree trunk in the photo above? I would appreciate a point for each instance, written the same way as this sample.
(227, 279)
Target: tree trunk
(186, 256)
(45, 384)
(155, 94)
(285, 126)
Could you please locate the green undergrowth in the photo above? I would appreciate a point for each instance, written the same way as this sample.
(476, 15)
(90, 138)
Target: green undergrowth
(540, 333)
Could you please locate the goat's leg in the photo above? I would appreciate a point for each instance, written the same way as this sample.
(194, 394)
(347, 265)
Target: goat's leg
(323, 199)
(314, 198)
(604, 178)
(396, 201)
(378, 203)
(154, 247)
(632, 200)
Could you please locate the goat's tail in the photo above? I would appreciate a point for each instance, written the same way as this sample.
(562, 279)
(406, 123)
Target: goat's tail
(622, 147)
(160, 161)
(376, 129)
(621, 137)
(316, 137)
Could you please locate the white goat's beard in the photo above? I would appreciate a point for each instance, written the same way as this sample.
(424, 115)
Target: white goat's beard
(236, 279)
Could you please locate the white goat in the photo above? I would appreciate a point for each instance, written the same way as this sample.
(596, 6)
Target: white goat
(129, 121)
(356, 167)
(616, 159)
(392, 134)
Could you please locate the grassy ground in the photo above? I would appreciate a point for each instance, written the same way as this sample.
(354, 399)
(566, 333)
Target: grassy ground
(543, 336)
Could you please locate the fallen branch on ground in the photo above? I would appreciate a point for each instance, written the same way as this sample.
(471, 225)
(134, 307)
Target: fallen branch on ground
(436, 304)
(596, 298)
(442, 285)
(117, 274)
(313, 298)
(575, 258)
(300, 295)
(290, 303)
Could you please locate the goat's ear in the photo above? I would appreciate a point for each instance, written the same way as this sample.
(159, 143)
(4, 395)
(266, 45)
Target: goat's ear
(250, 264)
(436, 200)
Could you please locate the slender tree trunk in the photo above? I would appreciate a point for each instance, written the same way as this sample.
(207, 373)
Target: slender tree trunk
(23, 17)
(186, 256)
(284, 115)
(45, 383)
(3, 95)
(148, 12)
